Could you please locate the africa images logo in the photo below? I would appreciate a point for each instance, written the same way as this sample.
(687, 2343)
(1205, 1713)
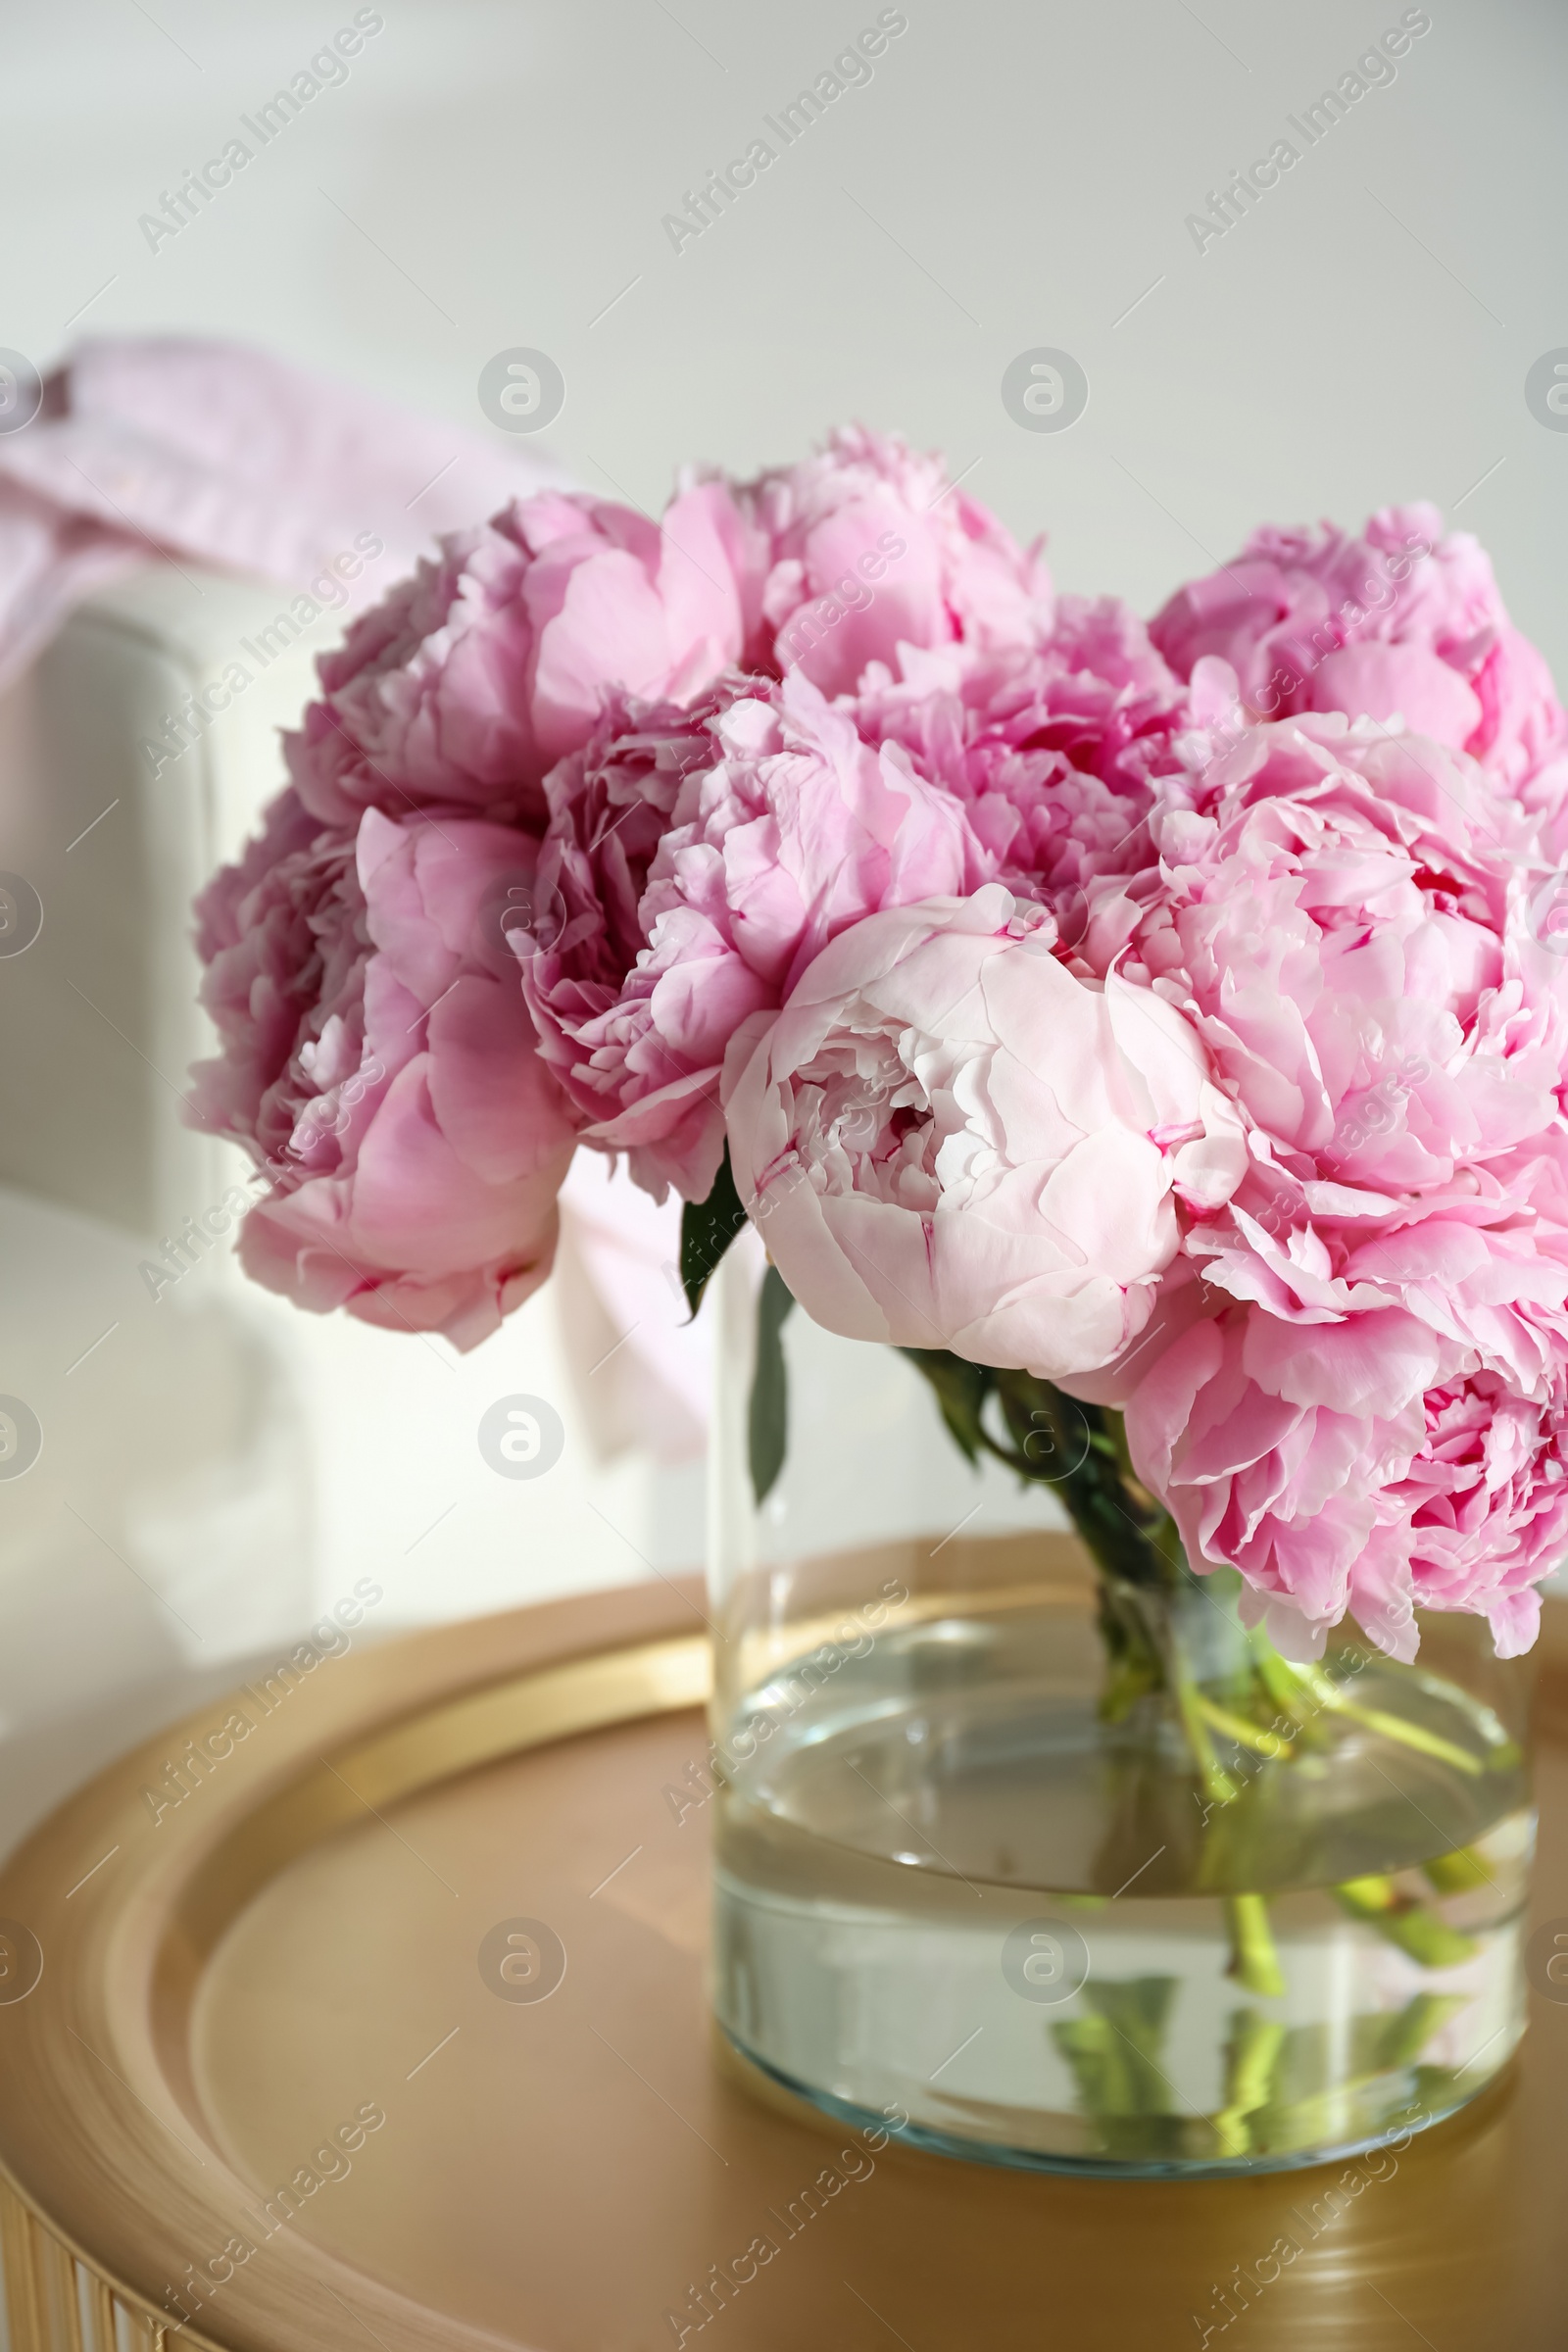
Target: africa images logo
(851, 70)
(327, 69)
(1374, 70)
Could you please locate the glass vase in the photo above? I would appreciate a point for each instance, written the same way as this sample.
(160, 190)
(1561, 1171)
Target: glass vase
(1027, 1847)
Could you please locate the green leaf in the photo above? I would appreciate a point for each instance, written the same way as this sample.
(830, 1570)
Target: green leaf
(961, 1390)
(707, 1230)
(767, 1424)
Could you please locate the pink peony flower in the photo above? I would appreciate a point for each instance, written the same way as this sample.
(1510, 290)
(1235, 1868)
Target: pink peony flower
(1144, 1009)
(871, 548)
(1354, 1472)
(1485, 1504)
(949, 1141)
(1403, 621)
(1056, 752)
(1343, 917)
(702, 860)
(381, 1064)
(471, 678)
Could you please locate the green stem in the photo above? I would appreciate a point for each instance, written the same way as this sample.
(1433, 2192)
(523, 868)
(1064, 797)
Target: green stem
(1405, 2036)
(1278, 1678)
(1133, 1660)
(1245, 1735)
(1255, 2049)
(1257, 2042)
(1457, 1873)
(1254, 1961)
(1070, 1447)
(1217, 1782)
(1414, 1735)
(1081, 1451)
(1400, 1920)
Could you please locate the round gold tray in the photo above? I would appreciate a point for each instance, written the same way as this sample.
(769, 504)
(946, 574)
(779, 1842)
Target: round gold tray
(302, 2069)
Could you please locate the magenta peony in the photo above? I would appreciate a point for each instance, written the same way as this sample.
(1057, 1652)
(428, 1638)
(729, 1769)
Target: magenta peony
(1343, 921)
(1403, 621)
(379, 1062)
(871, 547)
(947, 1141)
(469, 680)
(696, 883)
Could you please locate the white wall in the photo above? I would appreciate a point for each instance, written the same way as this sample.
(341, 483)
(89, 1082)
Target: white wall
(1016, 173)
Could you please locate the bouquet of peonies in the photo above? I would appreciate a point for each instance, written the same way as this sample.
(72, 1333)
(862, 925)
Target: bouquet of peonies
(1159, 1032)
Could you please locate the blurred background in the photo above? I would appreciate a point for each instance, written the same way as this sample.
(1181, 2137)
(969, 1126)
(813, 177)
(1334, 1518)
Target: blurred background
(1380, 324)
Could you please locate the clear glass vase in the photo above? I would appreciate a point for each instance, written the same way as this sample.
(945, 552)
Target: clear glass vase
(1045, 1858)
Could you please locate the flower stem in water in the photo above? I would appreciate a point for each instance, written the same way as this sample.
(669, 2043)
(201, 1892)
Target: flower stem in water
(1245, 1733)
(1255, 2044)
(1254, 1962)
(1218, 1783)
(1081, 1451)
(1328, 1693)
(1457, 1871)
(1404, 1923)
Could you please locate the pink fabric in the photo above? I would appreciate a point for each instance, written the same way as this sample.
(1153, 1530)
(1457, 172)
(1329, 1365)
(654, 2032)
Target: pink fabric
(642, 1362)
(949, 1141)
(170, 447)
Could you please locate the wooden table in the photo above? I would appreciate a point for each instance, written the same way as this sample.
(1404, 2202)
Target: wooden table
(273, 2048)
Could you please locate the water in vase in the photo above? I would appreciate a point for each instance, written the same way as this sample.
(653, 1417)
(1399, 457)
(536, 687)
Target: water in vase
(947, 1883)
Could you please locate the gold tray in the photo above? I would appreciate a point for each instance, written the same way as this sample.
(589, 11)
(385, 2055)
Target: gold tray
(237, 1988)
